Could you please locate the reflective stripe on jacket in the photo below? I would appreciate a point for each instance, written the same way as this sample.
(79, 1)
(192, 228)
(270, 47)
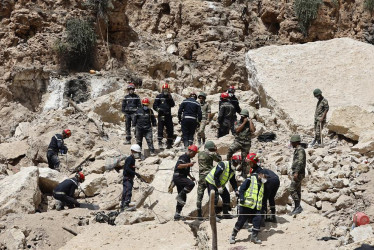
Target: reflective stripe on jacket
(223, 178)
(253, 197)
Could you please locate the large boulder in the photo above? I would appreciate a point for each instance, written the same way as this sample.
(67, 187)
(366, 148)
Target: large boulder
(93, 183)
(20, 192)
(298, 69)
(362, 233)
(13, 150)
(49, 179)
(129, 218)
(14, 238)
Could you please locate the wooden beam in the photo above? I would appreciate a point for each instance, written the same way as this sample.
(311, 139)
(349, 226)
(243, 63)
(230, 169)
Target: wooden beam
(212, 218)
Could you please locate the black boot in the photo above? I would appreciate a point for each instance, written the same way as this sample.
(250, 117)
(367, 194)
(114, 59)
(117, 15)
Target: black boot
(254, 237)
(225, 211)
(233, 235)
(169, 144)
(200, 214)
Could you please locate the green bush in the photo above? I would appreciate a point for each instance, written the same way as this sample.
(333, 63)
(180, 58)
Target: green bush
(77, 50)
(369, 5)
(306, 11)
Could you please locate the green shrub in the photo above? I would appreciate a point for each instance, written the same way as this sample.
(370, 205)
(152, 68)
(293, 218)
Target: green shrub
(77, 50)
(306, 11)
(369, 5)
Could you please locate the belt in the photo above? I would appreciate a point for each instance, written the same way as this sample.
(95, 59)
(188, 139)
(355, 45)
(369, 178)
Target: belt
(189, 117)
(59, 193)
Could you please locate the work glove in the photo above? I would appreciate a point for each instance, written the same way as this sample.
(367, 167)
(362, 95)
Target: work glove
(220, 190)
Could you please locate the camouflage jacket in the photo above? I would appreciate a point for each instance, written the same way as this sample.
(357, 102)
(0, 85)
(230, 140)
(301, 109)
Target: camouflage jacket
(245, 134)
(206, 159)
(299, 160)
(205, 110)
(322, 106)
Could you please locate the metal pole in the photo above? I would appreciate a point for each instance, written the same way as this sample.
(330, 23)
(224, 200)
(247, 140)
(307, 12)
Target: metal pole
(320, 132)
(212, 218)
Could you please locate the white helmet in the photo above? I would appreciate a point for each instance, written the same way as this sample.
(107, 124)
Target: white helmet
(136, 148)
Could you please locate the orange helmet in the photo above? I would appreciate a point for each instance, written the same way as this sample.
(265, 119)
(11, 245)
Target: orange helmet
(130, 86)
(165, 86)
(67, 132)
(252, 157)
(145, 101)
(224, 96)
(193, 148)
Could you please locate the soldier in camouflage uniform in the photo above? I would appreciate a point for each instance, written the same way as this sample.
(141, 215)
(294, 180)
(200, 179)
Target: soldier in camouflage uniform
(205, 159)
(319, 116)
(243, 129)
(298, 172)
(206, 112)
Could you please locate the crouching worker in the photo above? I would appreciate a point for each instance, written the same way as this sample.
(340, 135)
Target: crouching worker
(64, 192)
(128, 177)
(184, 185)
(217, 179)
(251, 193)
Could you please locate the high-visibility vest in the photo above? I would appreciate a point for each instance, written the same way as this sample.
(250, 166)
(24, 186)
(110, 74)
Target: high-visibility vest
(253, 197)
(223, 178)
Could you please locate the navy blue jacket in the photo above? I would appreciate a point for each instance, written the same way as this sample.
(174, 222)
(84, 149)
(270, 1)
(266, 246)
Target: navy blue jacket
(144, 118)
(163, 104)
(183, 159)
(191, 109)
(131, 103)
(57, 144)
(129, 168)
(68, 186)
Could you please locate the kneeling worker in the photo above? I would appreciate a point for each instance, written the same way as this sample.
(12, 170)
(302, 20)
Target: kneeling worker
(64, 192)
(251, 194)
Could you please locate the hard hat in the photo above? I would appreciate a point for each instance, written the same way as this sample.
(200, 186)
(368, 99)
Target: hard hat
(210, 145)
(252, 157)
(295, 138)
(130, 86)
(165, 86)
(224, 96)
(244, 112)
(136, 148)
(145, 101)
(193, 148)
(202, 94)
(236, 158)
(67, 132)
(193, 94)
(80, 176)
(231, 89)
(317, 92)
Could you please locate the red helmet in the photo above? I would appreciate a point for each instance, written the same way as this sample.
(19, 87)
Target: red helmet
(67, 132)
(80, 176)
(145, 101)
(193, 148)
(224, 96)
(131, 86)
(236, 158)
(165, 86)
(231, 89)
(252, 157)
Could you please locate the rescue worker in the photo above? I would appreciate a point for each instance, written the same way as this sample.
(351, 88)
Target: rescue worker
(163, 104)
(217, 179)
(235, 102)
(319, 116)
(226, 116)
(243, 131)
(64, 192)
(130, 104)
(206, 117)
(184, 185)
(143, 121)
(189, 115)
(57, 146)
(128, 177)
(271, 186)
(298, 172)
(251, 194)
(205, 159)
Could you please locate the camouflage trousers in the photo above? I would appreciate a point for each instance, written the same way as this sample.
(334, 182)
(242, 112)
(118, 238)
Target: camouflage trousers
(317, 129)
(295, 188)
(244, 147)
(202, 186)
(201, 132)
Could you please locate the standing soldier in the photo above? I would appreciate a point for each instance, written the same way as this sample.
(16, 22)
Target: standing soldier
(205, 159)
(251, 194)
(298, 172)
(163, 104)
(319, 116)
(130, 104)
(57, 146)
(184, 185)
(217, 179)
(144, 120)
(189, 115)
(206, 116)
(226, 116)
(244, 128)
